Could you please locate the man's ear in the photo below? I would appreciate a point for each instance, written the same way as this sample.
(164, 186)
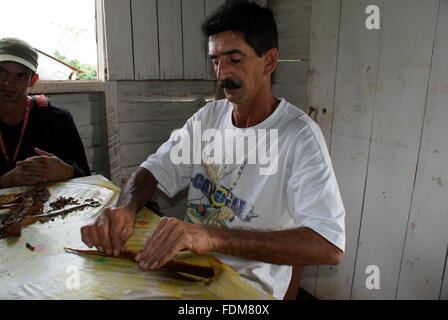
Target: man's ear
(34, 79)
(271, 57)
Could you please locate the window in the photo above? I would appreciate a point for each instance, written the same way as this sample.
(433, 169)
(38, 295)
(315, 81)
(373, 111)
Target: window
(63, 32)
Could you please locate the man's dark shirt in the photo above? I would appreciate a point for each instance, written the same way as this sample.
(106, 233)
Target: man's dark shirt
(51, 129)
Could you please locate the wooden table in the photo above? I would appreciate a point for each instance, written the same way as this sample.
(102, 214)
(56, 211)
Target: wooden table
(49, 272)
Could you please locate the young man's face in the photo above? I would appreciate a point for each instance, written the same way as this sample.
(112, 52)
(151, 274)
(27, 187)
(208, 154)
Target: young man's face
(235, 60)
(15, 79)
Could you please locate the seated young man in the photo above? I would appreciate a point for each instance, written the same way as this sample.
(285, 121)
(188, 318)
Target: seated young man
(39, 141)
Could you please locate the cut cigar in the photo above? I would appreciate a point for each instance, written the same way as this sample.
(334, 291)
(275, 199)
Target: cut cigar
(15, 229)
(178, 266)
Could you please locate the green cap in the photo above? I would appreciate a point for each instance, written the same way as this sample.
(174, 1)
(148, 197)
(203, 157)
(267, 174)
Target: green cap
(16, 50)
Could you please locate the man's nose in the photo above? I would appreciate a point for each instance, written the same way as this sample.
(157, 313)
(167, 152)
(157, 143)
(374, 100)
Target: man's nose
(221, 70)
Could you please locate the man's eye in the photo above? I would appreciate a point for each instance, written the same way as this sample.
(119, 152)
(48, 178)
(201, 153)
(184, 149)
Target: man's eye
(236, 60)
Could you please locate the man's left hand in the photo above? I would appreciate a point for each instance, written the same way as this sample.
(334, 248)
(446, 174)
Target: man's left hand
(171, 236)
(47, 165)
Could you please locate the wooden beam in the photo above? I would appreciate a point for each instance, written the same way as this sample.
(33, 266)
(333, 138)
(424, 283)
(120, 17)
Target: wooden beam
(194, 55)
(67, 86)
(113, 132)
(118, 34)
(145, 39)
(170, 39)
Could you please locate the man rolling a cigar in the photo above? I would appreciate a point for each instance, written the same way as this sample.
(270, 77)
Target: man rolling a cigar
(260, 220)
(39, 141)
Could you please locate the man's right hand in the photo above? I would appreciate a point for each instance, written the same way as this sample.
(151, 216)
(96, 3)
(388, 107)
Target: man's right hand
(110, 231)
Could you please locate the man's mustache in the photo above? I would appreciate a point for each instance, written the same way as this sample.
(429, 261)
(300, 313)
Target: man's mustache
(230, 84)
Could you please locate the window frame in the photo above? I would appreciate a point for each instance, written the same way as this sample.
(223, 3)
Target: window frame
(76, 86)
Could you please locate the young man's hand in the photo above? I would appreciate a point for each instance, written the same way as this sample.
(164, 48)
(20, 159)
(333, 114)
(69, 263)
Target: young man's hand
(47, 167)
(20, 177)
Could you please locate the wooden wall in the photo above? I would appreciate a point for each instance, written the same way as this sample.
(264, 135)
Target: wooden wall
(385, 96)
(88, 113)
(157, 39)
(293, 19)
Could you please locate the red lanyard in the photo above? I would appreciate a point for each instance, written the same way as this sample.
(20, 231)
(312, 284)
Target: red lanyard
(11, 163)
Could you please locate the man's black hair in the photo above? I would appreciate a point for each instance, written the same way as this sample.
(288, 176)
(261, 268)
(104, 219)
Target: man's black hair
(254, 22)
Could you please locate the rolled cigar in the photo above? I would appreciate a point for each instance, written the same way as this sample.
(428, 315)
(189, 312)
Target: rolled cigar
(178, 266)
(8, 205)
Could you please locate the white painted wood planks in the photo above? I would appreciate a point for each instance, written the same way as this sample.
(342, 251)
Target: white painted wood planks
(403, 73)
(118, 35)
(194, 52)
(145, 39)
(424, 257)
(170, 39)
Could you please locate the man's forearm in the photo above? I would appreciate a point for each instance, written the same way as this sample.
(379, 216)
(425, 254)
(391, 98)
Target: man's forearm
(137, 191)
(301, 246)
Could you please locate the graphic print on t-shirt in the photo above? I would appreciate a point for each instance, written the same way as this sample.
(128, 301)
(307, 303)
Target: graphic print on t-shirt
(219, 204)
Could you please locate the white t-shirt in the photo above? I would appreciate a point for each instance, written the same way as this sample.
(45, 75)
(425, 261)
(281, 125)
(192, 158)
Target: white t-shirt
(299, 190)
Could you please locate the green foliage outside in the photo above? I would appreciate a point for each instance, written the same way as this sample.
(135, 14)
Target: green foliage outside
(90, 72)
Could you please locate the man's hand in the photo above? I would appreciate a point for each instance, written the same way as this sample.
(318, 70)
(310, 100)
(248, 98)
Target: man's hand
(171, 236)
(47, 166)
(110, 231)
(20, 177)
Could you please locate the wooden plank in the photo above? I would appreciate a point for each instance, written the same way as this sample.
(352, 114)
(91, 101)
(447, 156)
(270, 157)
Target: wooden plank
(170, 39)
(118, 34)
(145, 39)
(210, 7)
(292, 93)
(134, 154)
(324, 23)
(67, 86)
(293, 19)
(396, 132)
(96, 157)
(194, 57)
(91, 135)
(148, 131)
(322, 66)
(85, 113)
(100, 39)
(342, 81)
(424, 257)
(165, 90)
(291, 73)
(158, 111)
(74, 97)
(113, 132)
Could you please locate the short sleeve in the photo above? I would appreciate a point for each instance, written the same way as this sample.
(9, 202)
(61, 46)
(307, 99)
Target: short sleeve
(172, 164)
(313, 196)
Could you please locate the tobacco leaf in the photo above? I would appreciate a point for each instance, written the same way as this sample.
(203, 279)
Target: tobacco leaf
(29, 202)
(8, 198)
(178, 266)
